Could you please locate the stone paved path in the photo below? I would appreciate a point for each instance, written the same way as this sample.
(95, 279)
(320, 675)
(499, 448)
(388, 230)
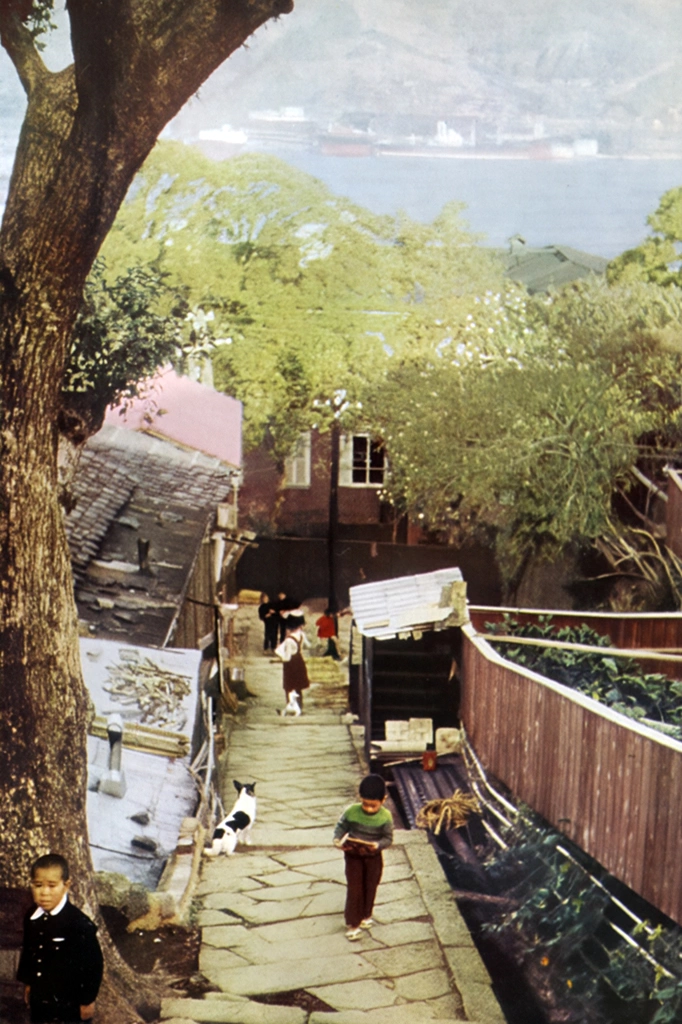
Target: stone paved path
(272, 914)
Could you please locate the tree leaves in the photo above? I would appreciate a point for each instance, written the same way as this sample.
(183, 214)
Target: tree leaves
(124, 332)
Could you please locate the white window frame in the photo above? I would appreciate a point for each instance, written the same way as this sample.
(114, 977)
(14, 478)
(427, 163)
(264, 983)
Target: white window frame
(297, 464)
(348, 470)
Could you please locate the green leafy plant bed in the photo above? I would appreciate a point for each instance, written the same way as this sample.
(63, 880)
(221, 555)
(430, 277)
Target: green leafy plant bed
(618, 682)
(599, 963)
(564, 941)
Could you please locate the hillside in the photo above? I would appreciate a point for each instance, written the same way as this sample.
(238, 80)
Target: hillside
(612, 69)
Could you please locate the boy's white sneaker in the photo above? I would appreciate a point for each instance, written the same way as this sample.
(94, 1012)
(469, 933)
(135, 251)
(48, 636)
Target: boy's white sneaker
(367, 923)
(353, 933)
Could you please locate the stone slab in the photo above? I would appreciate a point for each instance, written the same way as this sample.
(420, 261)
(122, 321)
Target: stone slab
(405, 890)
(256, 949)
(212, 960)
(407, 959)
(466, 965)
(218, 1011)
(294, 836)
(403, 932)
(480, 1003)
(309, 856)
(358, 995)
(222, 936)
(301, 890)
(331, 871)
(423, 985)
(407, 1013)
(217, 918)
(397, 872)
(291, 974)
(399, 910)
(449, 1006)
(306, 927)
(258, 913)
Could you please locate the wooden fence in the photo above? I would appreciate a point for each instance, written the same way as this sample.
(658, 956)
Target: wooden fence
(612, 786)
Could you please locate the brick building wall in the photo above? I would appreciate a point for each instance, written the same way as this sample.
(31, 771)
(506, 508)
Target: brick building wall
(268, 506)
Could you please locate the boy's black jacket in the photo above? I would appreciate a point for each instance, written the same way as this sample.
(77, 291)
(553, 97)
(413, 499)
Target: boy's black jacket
(61, 957)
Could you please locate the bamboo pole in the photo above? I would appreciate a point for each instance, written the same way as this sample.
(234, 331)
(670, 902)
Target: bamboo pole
(564, 645)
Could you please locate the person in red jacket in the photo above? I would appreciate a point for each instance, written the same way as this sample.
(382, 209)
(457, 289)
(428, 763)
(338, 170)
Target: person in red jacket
(327, 630)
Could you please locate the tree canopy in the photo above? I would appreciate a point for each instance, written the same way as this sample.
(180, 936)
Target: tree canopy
(657, 258)
(524, 420)
(311, 293)
(125, 330)
(516, 416)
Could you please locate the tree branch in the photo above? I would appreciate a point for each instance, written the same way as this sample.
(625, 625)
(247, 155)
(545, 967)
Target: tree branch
(18, 42)
(147, 57)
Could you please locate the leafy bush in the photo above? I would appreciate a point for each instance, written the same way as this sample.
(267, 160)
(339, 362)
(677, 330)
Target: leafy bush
(562, 931)
(618, 682)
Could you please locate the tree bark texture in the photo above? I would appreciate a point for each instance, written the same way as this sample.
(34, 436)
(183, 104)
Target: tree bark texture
(87, 131)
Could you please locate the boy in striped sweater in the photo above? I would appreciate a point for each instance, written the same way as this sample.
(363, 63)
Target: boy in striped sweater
(362, 832)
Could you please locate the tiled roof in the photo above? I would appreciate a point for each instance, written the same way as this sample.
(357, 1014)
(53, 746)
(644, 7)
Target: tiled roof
(551, 266)
(129, 486)
(116, 462)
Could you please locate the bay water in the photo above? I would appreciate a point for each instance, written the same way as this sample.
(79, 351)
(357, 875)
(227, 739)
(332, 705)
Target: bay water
(598, 205)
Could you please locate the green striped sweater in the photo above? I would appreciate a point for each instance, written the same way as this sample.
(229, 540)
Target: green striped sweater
(374, 828)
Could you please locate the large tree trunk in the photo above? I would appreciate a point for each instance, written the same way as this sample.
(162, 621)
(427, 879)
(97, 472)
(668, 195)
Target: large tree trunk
(86, 133)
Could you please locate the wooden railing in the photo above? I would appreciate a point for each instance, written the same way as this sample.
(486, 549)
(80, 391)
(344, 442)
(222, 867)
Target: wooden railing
(611, 785)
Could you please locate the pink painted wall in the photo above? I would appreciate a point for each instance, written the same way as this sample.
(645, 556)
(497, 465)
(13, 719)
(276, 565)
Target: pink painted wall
(188, 413)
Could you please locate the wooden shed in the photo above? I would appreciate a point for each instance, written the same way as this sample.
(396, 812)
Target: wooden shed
(406, 644)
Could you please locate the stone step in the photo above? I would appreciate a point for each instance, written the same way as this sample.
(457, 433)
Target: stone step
(228, 1010)
(407, 1013)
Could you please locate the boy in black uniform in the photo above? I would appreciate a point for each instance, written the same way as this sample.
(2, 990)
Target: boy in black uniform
(61, 959)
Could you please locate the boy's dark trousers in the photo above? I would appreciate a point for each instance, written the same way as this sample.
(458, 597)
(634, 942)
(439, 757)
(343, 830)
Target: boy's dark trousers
(52, 1012)
(363, 874)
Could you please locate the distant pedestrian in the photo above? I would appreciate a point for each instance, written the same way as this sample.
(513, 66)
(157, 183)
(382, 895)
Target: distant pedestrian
(283, 606)
(61, 960)
(269, 616)
(327, 629)
(362, 832)
(294, 670)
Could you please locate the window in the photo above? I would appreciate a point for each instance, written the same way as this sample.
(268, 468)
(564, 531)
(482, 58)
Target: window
(297, 465)
(362, 462)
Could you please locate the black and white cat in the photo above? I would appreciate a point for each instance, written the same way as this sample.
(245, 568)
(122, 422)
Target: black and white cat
(236, 827)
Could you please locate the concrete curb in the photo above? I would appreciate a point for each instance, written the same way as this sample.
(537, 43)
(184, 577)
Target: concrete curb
(466, 966)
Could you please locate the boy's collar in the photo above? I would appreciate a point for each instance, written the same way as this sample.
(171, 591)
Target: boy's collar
(38, 912)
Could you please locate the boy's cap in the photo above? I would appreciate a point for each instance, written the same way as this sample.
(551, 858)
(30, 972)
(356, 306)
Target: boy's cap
(373, 787)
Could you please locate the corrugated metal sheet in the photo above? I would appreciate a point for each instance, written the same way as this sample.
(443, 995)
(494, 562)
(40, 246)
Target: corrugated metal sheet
(612, 786)
(431, 600)
(416, 786)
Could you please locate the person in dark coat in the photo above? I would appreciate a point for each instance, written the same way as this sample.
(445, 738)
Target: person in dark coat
(283, 606)
(269, 616)
(61, 960)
